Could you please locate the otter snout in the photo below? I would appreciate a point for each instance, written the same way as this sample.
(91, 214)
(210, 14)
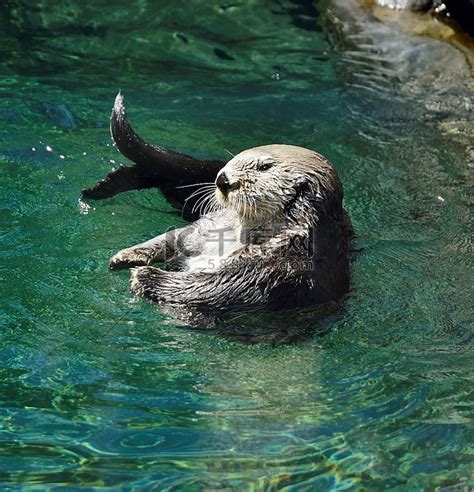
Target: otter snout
(223, 183)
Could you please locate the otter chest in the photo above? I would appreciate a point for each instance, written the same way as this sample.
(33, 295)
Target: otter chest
(216, 244)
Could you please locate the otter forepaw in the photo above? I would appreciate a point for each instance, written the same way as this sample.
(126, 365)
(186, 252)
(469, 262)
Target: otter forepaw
(144, 281)
(128, 258)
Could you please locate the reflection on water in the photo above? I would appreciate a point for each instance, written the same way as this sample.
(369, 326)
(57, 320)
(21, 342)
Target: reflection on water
(102, 390)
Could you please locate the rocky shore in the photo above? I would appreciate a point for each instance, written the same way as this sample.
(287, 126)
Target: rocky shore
(425, 58)
(458, 13)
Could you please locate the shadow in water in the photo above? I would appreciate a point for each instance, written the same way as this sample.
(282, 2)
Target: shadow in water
(260, 326)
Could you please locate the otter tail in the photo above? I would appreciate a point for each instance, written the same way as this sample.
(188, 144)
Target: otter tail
(153, 166)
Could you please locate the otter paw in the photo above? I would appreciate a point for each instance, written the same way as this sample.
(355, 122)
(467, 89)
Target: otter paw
(129, 258)
(144, 281)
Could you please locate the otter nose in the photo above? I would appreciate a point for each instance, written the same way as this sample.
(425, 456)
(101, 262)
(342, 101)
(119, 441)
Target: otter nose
(223, 183)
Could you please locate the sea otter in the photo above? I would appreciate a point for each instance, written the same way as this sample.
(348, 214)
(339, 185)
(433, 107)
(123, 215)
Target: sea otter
(272, 231)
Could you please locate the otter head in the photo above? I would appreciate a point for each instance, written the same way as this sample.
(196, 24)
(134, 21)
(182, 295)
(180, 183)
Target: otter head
(264, 183)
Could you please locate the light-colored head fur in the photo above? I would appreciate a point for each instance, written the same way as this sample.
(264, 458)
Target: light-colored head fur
(265, 181)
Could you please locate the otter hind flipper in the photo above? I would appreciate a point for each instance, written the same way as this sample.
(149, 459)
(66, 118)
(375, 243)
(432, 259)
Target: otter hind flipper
(117, 181)
(154, 166)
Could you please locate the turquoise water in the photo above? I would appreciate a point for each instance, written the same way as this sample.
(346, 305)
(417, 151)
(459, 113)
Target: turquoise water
(101, 391)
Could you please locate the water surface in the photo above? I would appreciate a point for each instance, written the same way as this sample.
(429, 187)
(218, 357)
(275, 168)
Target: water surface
(99, 390)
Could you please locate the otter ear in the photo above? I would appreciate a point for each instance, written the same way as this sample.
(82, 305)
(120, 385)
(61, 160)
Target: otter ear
(305, 188)
(297, 208)
(308, 203)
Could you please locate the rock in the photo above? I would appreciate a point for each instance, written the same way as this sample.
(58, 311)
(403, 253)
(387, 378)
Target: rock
(60, 115)
(415, 5)
(407, 50)
(459, 13)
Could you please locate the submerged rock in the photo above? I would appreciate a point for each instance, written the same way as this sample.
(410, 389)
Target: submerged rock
(60, 115)
(424, 58)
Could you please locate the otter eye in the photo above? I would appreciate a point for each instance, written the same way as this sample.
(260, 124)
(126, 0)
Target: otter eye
(264, 166)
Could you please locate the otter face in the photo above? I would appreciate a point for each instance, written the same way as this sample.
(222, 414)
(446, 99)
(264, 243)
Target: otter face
(258, 185)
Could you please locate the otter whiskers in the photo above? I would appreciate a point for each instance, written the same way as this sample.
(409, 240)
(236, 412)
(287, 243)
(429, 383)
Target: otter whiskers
(200, 194)
(202, 200)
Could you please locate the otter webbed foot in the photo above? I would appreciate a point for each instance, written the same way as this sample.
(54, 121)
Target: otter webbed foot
(127, 258)
(153, 166)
